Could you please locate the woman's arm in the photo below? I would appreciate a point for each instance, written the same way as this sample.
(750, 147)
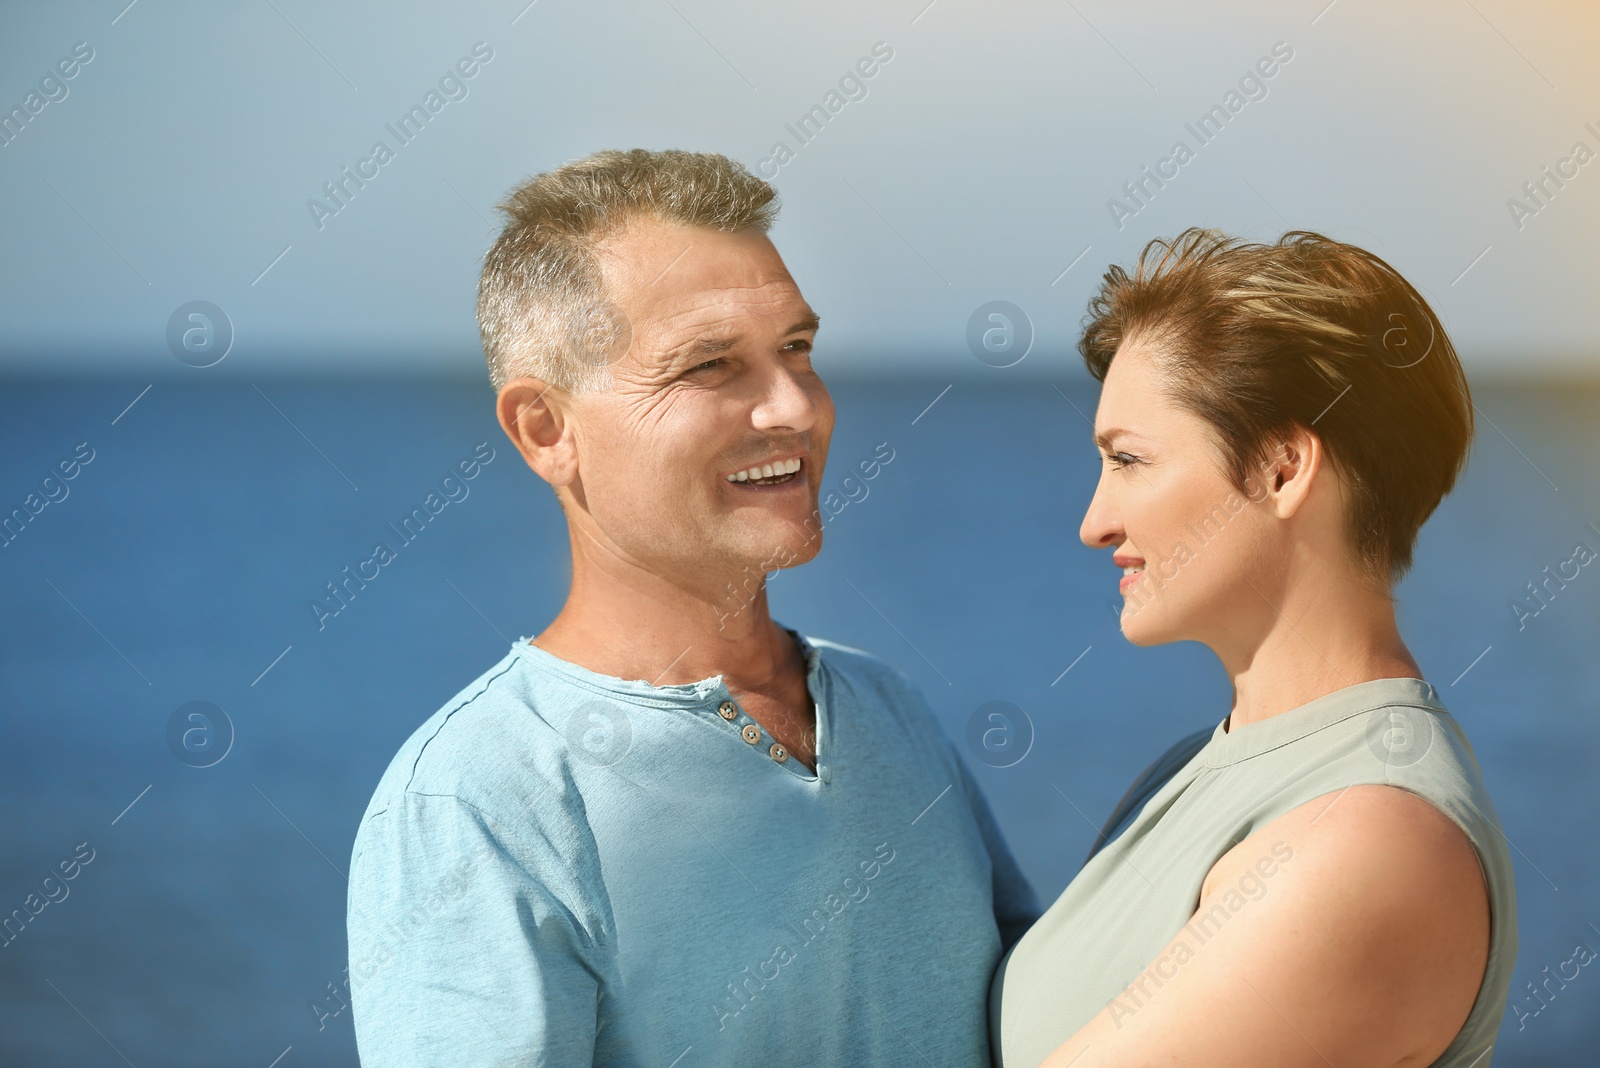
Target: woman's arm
(1351, 931)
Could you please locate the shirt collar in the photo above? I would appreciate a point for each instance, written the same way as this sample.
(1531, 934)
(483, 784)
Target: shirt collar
(638, 691)
(1230, 747)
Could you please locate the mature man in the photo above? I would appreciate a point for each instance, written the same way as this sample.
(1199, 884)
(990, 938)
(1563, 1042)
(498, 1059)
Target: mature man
(668, 830)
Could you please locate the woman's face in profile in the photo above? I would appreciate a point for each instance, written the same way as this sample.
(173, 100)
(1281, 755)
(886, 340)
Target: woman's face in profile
(1190, 545)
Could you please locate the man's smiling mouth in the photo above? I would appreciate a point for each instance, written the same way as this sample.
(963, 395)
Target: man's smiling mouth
(769, 474)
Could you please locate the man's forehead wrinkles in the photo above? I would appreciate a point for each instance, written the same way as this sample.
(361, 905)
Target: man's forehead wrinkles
(733, 298)
(718, 318)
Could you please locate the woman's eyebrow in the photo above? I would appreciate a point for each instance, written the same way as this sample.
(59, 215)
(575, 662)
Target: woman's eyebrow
(1105, 437)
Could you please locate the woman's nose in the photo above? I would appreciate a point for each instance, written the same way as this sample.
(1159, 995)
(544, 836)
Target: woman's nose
(1101, 526)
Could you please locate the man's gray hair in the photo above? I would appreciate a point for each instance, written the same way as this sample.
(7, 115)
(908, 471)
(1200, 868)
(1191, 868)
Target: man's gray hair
(542, 311)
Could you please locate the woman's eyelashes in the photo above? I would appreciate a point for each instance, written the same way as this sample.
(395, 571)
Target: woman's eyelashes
(1122, 459)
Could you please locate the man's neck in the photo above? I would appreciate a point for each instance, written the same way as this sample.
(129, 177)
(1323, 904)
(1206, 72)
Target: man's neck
(626, 623)
(634, 626)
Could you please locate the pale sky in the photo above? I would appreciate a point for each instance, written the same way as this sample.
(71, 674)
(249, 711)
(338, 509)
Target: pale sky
(978, 163)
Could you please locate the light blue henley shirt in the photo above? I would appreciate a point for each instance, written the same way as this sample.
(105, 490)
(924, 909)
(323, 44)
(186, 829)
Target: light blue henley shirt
(564, 868)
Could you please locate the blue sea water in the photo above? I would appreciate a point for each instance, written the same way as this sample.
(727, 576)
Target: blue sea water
(180, 565)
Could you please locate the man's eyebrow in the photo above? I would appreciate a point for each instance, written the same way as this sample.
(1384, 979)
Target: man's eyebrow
(703, 348)
(807, 323)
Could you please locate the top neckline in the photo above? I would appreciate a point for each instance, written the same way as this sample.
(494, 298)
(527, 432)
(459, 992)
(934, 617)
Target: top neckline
(1230, 747)
(675, 695)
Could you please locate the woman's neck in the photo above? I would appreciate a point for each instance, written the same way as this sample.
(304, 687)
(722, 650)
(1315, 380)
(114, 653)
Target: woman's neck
(1312, 645)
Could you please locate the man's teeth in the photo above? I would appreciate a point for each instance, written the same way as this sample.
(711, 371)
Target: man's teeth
(777, 470)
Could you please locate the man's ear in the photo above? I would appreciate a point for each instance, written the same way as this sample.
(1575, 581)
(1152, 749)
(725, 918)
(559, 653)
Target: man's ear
(1294, 470)
(536, 417)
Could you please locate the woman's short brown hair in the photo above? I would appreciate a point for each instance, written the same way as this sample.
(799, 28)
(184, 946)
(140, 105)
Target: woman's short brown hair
(1311, 333)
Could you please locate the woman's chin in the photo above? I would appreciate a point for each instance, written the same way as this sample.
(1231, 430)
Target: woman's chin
(1140, 628)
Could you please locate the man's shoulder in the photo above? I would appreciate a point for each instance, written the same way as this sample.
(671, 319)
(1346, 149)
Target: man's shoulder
(489, 774)
(861, 666)
(875, 681)
(482, 747)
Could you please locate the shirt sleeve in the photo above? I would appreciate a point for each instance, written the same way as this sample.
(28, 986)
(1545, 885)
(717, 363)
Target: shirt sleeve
(1016, 907)
(459, 955)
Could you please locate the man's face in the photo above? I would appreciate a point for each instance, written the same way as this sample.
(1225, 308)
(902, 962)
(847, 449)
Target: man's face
(716, 380)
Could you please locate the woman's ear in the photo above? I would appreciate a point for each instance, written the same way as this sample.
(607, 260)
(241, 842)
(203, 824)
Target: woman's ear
(1294, 470)
(535, 416)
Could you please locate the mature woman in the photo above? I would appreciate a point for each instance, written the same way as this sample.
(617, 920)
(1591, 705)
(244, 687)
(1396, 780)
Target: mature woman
(1326, 881)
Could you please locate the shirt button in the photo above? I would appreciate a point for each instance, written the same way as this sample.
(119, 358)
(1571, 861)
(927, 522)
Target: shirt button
(726, 710)
(779, 753)
(752, 733)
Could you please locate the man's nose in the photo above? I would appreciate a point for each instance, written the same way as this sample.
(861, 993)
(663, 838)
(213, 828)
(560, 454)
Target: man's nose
(785, 403)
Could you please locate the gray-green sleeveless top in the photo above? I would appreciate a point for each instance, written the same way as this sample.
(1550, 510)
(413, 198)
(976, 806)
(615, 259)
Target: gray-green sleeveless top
(1128, 902)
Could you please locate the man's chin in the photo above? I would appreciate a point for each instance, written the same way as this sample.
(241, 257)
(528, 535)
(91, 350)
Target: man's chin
(780, 542)
(807, 551)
